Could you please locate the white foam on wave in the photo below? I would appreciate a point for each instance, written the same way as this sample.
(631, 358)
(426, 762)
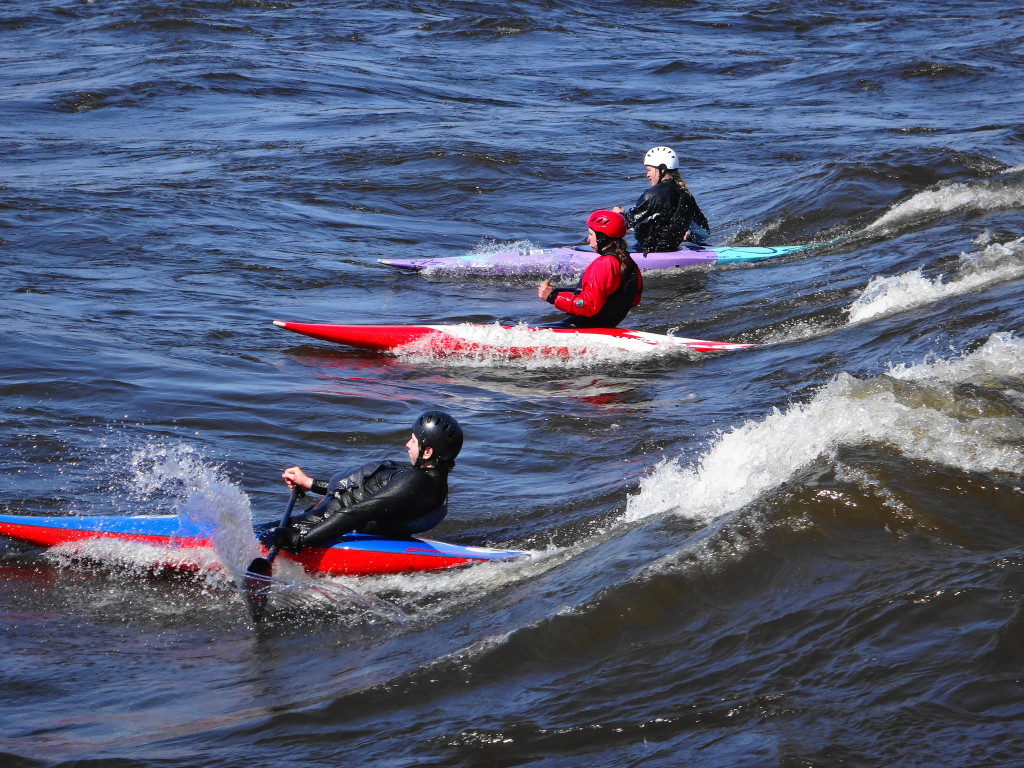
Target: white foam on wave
(996, 363)
(982, 196)
(996, 263)
(993, 264)
(923, 422)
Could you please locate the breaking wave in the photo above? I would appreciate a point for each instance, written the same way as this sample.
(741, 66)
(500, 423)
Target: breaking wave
(996, 263)
(912, 409)
(979, 197)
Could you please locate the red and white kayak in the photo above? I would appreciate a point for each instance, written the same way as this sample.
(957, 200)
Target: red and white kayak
(182, 546)
(509, 340)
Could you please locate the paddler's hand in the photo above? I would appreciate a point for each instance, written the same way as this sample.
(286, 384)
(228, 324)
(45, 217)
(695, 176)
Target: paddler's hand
(544, 290)
(618, 209)
(294, 478)
(266, 538)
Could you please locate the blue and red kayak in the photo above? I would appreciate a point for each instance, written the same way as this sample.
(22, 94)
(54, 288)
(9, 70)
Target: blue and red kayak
(573, 260)
(354, 554)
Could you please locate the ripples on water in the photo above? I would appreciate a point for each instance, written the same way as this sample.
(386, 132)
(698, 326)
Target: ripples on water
(805, 553)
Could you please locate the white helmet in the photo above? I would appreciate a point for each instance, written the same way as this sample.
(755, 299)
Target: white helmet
(661, 156)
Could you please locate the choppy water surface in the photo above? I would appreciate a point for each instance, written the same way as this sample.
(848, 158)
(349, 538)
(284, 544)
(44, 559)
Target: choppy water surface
(807, 553)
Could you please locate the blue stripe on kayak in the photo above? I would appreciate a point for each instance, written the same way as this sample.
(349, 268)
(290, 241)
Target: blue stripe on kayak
(740, 254)
(154, 525)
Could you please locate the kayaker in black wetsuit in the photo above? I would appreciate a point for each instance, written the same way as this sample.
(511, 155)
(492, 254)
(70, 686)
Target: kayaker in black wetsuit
(609, 287)
(667, 213)
(383, 497)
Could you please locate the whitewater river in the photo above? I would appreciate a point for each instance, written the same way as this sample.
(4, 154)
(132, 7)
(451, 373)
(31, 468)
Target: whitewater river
(806, 553)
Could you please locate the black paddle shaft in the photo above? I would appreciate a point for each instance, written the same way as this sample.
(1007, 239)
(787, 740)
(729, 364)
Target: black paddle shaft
(255, 588)
(261, 565)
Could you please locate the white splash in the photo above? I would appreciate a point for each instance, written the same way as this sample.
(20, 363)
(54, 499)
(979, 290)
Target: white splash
(494, 247)
(924, 422)
(139, 556)
(200, 494)
(531, 349)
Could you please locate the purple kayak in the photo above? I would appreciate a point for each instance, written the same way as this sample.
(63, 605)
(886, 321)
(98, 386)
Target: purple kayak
(575, 259)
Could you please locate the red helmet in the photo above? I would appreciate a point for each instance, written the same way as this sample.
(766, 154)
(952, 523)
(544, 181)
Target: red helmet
(607, 223)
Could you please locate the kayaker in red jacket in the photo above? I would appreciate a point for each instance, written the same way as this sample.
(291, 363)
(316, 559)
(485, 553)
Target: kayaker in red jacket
(610, 286)
(383, 497)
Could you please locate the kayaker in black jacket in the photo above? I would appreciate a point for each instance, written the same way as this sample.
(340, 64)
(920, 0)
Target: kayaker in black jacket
(384, 497)
(667, 213)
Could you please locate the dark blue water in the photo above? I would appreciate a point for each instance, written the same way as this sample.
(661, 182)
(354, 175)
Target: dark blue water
(804, 554)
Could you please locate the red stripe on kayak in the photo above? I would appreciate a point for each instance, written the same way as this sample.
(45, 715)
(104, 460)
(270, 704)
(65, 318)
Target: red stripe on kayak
(52, 537)
(353, 562)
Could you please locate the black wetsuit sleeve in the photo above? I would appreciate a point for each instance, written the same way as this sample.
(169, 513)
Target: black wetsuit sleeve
(319, 487)
(647, 206)
(407, 495)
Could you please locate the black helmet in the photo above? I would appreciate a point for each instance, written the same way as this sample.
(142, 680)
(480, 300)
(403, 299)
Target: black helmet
(440, 431)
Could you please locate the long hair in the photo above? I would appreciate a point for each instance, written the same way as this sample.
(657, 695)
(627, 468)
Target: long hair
(676, 177)
(686, 205)
(615, 246)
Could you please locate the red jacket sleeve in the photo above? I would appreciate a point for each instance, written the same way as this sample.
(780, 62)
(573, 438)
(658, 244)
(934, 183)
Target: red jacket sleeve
(600, 280)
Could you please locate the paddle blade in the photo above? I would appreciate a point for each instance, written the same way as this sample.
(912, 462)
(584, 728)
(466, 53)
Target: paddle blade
(256, 587)
(260, 566)
(256, 583)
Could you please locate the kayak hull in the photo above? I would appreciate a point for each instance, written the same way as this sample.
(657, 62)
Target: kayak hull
(354, 554)
(514, 341)
(574, 260)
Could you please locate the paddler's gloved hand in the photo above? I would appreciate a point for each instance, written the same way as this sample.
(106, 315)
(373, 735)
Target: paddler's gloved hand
(289, 539)
(266, 538)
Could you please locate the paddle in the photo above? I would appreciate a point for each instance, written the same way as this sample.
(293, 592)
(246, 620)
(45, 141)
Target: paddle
(255, 587)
